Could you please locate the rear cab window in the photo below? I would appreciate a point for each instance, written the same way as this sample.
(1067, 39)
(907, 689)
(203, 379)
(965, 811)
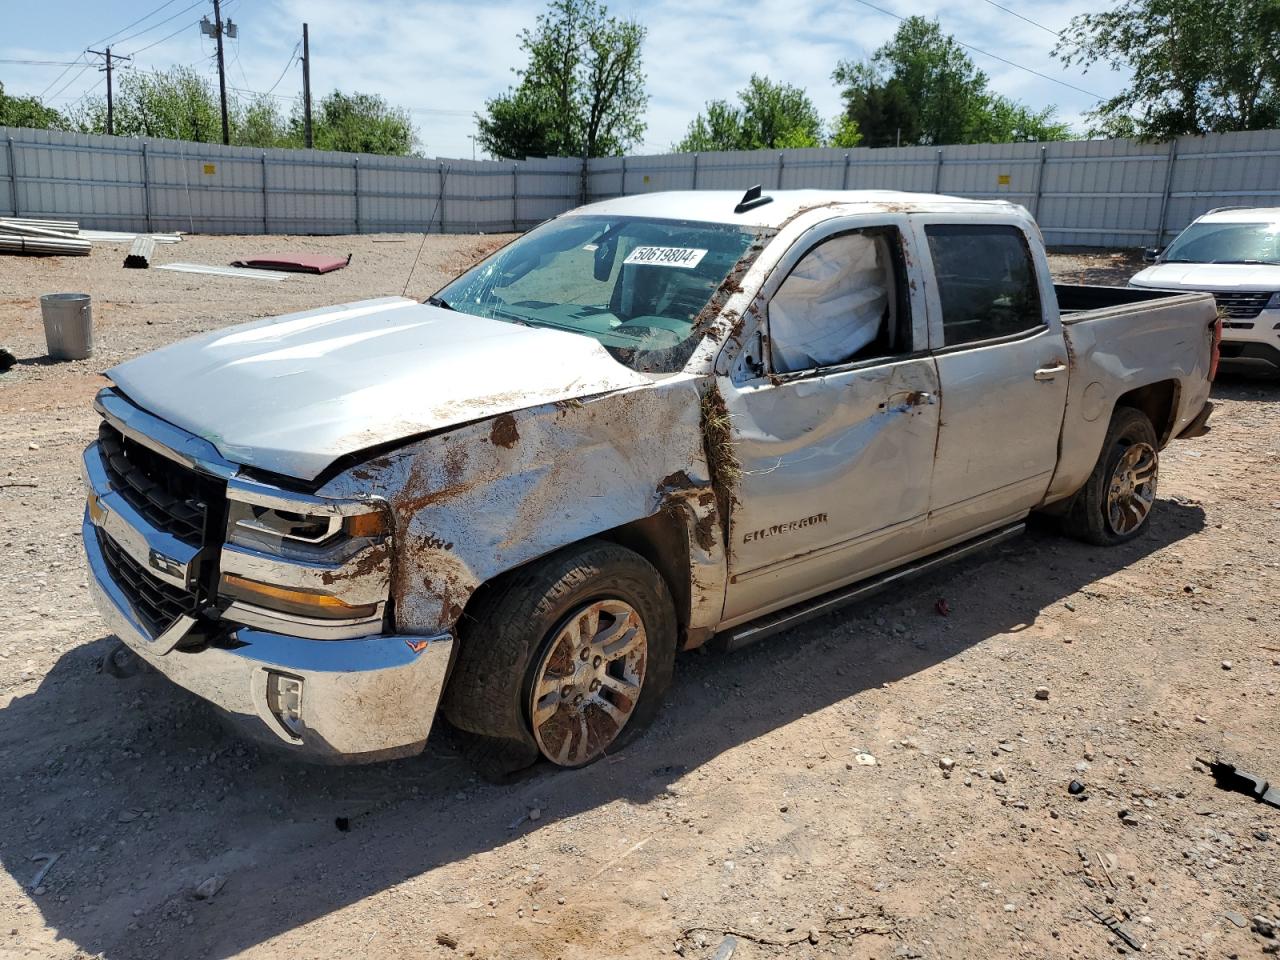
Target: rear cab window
(987, 282)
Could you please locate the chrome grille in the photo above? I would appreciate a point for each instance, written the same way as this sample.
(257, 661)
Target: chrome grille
(157, 604)
(169, 495)
(1242, 306)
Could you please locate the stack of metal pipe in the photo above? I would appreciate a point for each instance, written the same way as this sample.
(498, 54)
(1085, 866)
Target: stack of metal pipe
(49, 237)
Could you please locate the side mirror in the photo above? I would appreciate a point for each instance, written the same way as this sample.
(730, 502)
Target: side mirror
(1151, 254)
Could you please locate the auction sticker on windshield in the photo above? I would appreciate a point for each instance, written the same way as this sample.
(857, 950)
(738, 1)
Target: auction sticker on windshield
(686, 257)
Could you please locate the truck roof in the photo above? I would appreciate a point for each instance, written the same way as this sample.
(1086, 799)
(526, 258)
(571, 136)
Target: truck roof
(716, 206)
(1242, 215)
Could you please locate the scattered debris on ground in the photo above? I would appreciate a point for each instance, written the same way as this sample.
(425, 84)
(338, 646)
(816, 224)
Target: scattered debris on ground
(296, 262)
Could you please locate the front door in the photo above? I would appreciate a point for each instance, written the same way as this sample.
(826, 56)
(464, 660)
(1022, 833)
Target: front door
(1002, 366)
(834, 428)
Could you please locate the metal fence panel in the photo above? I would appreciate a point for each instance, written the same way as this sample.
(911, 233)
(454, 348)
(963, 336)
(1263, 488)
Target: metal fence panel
(1085, 193)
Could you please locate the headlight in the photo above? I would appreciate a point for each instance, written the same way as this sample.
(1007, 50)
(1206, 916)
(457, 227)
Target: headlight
(294, 533)
(1274, 302)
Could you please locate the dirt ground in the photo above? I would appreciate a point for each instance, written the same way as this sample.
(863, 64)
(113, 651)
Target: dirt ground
(749, 809)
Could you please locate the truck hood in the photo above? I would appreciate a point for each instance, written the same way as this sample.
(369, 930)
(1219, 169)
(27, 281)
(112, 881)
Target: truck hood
(292, 394)
(1209, 276)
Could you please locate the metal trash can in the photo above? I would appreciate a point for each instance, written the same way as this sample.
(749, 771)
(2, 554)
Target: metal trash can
(68, 325)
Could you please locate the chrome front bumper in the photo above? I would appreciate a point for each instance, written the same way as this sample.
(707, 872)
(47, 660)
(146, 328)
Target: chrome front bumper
(332, 700)
(361, 700)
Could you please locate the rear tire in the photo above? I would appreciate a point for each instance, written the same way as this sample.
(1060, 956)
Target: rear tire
(1115, 503)
(565, 659)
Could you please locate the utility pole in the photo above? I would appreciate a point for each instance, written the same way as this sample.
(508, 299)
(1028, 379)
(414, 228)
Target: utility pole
(111, 125)
(216, 30)
(306, 86)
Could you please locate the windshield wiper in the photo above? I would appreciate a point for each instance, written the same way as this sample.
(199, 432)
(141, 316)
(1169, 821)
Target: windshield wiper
(437, 302)
(1266, 263)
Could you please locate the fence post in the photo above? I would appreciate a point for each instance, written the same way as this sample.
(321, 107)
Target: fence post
(515, 198)
(844, 182)
(443, 180)
(695, 172)
(780, 163)
(622, 187)
(146, 187)
(1035, 210)
(1168, 187)
(356, 170)
(13, 179)
(937, 173)
(264, 193)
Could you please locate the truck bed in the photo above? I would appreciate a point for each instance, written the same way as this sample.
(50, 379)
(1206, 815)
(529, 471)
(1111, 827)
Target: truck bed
(1077, 298)
(1121, 340)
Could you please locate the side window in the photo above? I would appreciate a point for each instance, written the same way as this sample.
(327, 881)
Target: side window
(986, 281)
(845, 301)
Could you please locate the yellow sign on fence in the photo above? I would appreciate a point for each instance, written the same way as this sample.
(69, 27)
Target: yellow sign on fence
(1002, 179)
(210, 168)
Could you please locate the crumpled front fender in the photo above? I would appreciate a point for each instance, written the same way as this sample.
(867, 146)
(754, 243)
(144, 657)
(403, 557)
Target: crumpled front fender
(479, 500)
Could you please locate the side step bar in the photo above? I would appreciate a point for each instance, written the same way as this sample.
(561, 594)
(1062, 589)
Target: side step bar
(737, 637)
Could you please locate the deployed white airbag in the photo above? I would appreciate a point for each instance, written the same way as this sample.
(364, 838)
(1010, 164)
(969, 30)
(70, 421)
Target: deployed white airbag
(830, 306)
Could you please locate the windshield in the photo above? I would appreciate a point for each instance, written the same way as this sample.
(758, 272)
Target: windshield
(1226, 243)
(634, 284)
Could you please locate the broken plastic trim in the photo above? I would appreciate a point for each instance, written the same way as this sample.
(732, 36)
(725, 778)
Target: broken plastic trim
(1228, 777)
(752, 199)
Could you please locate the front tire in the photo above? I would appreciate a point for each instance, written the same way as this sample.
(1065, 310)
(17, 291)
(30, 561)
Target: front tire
(565, 659)
(1115, 504)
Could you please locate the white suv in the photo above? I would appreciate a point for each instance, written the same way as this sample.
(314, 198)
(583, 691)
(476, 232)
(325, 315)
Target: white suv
(1233, 253)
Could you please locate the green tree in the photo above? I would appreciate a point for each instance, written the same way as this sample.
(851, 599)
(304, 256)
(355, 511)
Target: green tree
(182, 104)
(260, 123)
(921, 87)
(29, 112)
(1198, 66)
(178, 104)
(581, 93)
(769, 115)
(357, 123)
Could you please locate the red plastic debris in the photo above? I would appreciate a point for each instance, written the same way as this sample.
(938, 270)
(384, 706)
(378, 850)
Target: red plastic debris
(300, 262)
(943, 608)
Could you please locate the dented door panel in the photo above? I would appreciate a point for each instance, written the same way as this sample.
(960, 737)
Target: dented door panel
(835, 479)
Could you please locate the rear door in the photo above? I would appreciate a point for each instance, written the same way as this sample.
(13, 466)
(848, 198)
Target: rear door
(833, 421)
(1002, 370)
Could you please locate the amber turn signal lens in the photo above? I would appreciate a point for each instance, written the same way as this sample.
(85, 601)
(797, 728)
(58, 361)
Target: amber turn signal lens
(367, 524)
(289, 600)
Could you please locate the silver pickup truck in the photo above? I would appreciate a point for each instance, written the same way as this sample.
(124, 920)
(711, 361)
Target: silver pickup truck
(649, 423)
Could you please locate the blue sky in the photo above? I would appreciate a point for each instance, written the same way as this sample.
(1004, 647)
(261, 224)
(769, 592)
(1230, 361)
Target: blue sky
(442, 59)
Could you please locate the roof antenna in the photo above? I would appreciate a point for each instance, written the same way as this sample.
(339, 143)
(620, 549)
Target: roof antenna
(751, 199)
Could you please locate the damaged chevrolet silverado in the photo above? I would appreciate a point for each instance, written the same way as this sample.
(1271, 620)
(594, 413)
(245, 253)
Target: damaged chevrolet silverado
(648, 424)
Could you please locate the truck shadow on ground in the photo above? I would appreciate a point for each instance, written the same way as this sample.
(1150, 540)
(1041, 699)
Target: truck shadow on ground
(144, 796)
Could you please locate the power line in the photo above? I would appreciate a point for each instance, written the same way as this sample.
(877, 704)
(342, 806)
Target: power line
(112, 36)
(292, 57)
(1034, 23)
(63, 88)
(54, 82)
(993, 56)
(160, 23)
(78, 100)
(194, 23)
(42, 63)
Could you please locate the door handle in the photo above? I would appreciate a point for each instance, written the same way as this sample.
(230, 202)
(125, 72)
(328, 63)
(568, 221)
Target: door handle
(1048, 373)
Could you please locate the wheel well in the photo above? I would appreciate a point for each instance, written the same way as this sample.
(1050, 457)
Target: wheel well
(661, 539)
(1159, 401)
